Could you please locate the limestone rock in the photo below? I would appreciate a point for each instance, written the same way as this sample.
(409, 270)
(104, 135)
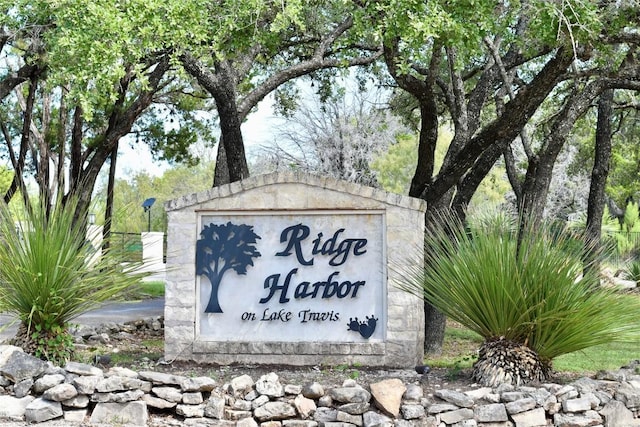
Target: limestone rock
(373, 419)
(354, 408)
(479, 393)
(190, 411)
(305, 407)
(20, 366)
(259, 401)
(60, 392)
(214, 408)
(455, 397)
(156, 402)
(414, 393)
(274, 411)
(492, 413)
(576, 405)
(235, 415)
(350, 395)
(168, 393)
(121, 384)
(297, 423)
(5, 353)
(40, 410)
(325, 415)
(87, 384)
(247, 422)
(293, 389)
(520, 405)
(456, 416)
(244, 405)
(83, 369)
(412, 411)
(343, 417)
(387, 395)
(75, 416)
(241, 384)
(313, 390)
(438, 408)
(629, 396)
(198, 384)
(161, 378)
(616, 414)
(46, 382)
(535, 417)
(22, 388)
(13, 408)
(118, 371)
(589, 418)
(79, 401)
(134, 413)
(269, 385)
(192, 398)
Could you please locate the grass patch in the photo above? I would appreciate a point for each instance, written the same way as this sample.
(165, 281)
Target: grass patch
(460, 346)
(152, 289)
(144, 290)
(127, 354)
(608, 357)
(458, 349)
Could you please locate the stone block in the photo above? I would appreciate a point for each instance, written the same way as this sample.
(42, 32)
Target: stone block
(134, 413)
(533, 418)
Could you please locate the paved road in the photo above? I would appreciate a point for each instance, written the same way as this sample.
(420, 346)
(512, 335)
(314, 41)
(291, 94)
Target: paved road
(119, 312)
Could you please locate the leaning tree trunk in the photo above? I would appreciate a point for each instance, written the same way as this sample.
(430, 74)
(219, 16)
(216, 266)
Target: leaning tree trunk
(599, 174)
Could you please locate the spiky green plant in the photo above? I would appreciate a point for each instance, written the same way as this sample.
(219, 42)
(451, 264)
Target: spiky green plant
(50, 274)
(633, 270)
(530, 301)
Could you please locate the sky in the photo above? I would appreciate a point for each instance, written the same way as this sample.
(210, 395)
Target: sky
(256, 131)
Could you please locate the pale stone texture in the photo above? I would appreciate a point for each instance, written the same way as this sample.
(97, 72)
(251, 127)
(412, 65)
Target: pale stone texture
(41, 410)
(133, 413)
(387, 395)
(402, 345)
(12, 408)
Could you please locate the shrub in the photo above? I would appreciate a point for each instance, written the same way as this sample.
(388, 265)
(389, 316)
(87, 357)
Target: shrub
(526, 294)
(50, 274)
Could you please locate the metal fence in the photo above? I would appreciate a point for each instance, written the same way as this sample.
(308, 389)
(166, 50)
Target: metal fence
(129, 244)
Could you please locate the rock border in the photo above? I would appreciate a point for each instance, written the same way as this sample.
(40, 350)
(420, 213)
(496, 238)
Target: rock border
(34, 391)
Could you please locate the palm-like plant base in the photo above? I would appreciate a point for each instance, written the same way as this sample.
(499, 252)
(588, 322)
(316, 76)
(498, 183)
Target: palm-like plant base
(24, 340)
(54, 345)
(502, 361)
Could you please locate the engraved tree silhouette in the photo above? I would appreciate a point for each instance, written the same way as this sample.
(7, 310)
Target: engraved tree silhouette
(224, 247)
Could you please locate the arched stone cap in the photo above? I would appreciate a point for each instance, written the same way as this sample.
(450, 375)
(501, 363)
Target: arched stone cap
(263, 182)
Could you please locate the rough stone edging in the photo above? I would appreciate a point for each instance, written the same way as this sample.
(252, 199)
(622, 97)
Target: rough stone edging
(35, 391)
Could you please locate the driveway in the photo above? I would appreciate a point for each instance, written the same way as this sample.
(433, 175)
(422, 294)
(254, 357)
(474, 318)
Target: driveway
(118, 312)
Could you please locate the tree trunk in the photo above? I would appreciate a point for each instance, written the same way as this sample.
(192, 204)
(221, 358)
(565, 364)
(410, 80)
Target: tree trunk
(221, 173)
(538, 177)
(599, 174)
(108, 210)
(231, 135)
(434, 326)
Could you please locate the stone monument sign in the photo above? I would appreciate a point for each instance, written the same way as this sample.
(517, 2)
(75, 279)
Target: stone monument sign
(292, 269)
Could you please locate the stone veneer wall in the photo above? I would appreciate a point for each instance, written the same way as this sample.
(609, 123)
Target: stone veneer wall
(404, 220)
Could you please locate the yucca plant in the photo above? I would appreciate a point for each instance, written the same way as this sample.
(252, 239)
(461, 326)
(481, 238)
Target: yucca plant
(49, 275)
(528, 295)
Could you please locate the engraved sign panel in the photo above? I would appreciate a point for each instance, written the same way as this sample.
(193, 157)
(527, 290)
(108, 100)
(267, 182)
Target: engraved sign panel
(291, 276)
